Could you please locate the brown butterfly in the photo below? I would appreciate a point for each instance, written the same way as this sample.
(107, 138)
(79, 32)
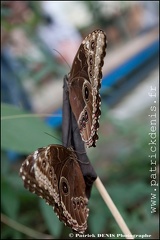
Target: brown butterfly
(53, 173)
(84, 82)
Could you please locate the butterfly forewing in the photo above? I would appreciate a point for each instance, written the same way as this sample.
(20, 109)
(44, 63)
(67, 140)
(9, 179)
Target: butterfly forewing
(84, 82)
(54, 174)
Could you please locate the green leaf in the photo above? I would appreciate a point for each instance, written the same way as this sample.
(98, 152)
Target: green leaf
(130, 194)
(23, 132)
(9, 200)
(99, 215)
(5, 165)
(52, 221)
(98, 220)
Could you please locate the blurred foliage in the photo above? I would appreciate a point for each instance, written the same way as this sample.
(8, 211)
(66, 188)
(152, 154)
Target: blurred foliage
(22, 131)
(124, 167)
(120, 160)
(9, 21)
(19, 23)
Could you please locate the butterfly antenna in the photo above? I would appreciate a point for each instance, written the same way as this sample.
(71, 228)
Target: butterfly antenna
(62, 58)
(53, 137)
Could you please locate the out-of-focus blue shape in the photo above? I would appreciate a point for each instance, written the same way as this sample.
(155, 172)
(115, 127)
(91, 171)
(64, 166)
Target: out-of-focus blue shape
(12, 90)
(130, 65)
(56, 120)
(13, 156)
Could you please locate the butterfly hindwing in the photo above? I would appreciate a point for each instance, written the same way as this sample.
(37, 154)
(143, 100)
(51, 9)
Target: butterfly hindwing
(53, 173)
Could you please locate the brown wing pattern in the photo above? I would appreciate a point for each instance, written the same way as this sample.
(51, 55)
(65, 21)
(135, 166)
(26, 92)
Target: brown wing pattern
(84, 82)
(54, 174)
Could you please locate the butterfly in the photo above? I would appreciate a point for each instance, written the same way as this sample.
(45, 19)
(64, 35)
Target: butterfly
(54, 174)
(84, 82)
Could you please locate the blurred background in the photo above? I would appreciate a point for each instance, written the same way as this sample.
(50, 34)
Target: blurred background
(34, 35)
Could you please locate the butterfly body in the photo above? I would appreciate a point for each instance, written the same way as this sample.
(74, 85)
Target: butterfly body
(84, 82)
(53, 173)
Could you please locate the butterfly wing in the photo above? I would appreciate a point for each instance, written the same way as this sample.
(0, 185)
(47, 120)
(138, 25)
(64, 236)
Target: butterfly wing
(53, 173)
(84, 82)
(73, 197)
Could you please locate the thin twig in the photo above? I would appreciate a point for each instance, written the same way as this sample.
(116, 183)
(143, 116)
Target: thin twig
(113, 209)
(23, 229)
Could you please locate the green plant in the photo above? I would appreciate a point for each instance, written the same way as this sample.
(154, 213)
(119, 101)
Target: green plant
(123, 170)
